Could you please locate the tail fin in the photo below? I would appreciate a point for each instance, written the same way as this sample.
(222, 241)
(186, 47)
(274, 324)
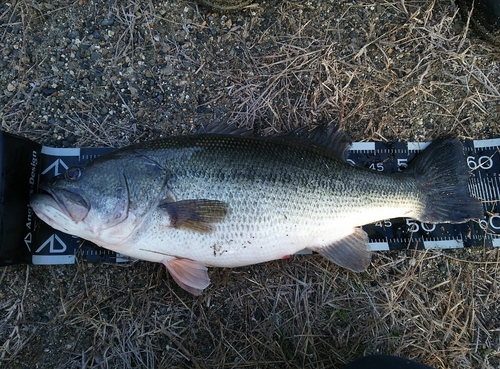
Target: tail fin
(442, 175)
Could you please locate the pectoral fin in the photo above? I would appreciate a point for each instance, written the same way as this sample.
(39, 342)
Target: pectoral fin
(196, 215)
(351, 252)
(189, 274)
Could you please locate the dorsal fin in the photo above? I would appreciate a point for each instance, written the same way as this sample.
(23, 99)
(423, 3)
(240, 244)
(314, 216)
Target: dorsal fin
(216, 127)
(330, 138)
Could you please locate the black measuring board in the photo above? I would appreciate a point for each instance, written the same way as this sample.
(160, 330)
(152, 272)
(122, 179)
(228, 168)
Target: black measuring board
(46, 246)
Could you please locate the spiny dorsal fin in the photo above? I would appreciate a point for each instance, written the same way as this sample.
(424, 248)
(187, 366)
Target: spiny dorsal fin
(216, 127)
(330, 138)
(196, 215)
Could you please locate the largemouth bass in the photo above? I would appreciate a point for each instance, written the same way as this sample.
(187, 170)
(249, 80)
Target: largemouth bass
(229, 200)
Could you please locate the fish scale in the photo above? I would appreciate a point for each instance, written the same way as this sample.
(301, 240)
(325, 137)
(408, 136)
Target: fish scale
(230, 200)
(271, 198)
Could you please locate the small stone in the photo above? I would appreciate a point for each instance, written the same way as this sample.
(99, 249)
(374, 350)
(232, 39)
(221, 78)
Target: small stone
(48, 91)
(11, 87)
(73, 34)
(107, 22)
(168, 70)
(133, 91)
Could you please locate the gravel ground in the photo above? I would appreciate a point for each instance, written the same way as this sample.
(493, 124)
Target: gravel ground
(111, 73)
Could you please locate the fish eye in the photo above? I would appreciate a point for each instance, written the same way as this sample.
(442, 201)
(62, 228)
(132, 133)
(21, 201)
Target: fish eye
(73, 173)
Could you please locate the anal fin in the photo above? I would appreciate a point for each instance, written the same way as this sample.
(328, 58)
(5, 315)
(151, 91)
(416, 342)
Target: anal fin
(191, 275)
(351, 252)
(196, 215)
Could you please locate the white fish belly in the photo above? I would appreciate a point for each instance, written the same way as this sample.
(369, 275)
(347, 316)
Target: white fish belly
(250, 235)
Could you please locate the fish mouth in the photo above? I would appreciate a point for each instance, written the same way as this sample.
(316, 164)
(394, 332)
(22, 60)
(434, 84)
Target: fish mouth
(71, 204)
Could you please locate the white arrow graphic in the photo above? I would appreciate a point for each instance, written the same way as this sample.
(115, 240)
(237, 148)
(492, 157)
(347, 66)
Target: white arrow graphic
(27, 240)
(55, 165)
(51, 241)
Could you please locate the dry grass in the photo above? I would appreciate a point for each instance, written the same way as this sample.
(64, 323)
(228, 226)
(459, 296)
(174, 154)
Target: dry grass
(375, 82)
(388, 70)
(307, 313)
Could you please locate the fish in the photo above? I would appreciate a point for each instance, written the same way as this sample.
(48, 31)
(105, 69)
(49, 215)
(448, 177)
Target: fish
(224, 198)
